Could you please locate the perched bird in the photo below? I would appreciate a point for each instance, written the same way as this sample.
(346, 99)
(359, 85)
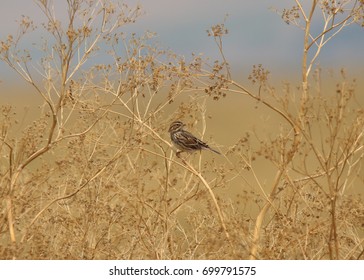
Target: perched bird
(184, 140)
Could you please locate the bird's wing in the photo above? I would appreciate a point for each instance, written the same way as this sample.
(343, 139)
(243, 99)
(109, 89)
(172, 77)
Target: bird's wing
(192, 142)
(199, 144)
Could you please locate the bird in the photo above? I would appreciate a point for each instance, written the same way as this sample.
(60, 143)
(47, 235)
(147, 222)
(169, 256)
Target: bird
(186, 141)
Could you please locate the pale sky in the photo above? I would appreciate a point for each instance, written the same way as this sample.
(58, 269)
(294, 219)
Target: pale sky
(257, 35)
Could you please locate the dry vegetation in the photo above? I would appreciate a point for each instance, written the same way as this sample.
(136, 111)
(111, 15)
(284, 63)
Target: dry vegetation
(94, 175)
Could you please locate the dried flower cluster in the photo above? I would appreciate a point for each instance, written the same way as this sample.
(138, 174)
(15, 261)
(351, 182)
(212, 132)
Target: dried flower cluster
(92, 174)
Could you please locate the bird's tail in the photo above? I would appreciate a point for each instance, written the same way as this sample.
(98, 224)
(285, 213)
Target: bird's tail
(211, 149)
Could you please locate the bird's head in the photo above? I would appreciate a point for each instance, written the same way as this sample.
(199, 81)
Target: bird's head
(176, 126)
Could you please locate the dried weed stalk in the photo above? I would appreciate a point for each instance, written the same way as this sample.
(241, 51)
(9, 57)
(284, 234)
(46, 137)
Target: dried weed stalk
(94, 175)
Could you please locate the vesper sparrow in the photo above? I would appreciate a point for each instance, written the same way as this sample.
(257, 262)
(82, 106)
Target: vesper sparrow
(184, 140)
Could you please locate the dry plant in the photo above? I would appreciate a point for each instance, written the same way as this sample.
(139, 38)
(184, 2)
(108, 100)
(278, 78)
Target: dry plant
(94, 176)
(318, 149)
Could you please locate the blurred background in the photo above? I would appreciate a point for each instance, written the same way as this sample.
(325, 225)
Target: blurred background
(257, 34)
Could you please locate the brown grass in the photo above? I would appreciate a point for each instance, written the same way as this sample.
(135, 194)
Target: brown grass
(91, 174)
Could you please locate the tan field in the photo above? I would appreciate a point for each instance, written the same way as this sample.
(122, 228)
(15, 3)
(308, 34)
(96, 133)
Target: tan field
(88, 171)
